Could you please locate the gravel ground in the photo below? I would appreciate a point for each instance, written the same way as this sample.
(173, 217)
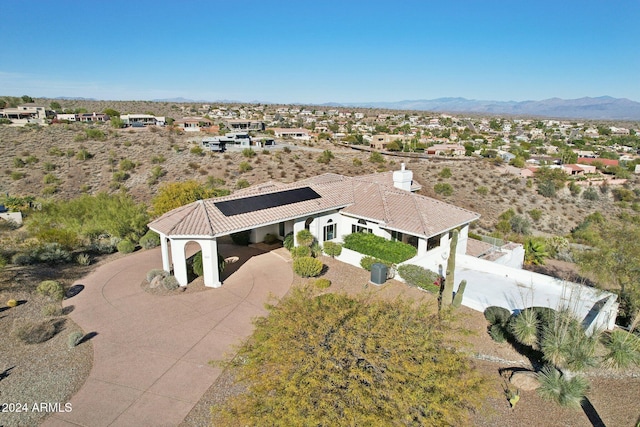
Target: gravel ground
(34, 374)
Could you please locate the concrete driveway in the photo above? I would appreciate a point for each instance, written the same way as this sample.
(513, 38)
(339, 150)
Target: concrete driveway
(151, 352)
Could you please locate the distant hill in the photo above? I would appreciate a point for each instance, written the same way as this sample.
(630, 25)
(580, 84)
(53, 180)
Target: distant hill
(602, 108)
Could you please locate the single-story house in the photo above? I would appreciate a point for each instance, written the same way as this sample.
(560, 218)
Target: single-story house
(330, 206)
(591, 161)
(93, 117)
(245, 125)
(193, 124)
(291, 133)
(446, 150)
(142, 119)
(381, 141)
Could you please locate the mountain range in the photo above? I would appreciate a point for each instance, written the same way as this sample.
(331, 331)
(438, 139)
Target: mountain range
(600, 108)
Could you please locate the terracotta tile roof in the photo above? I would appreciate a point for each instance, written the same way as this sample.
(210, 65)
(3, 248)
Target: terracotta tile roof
(359, 197)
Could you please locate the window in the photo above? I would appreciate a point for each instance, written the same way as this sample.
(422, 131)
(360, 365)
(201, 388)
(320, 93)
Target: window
(396, 235)
(433, 242)
(361, 227)
(329, 231)
(281, 229)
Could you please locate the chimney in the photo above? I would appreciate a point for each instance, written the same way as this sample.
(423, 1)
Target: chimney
(403, 178)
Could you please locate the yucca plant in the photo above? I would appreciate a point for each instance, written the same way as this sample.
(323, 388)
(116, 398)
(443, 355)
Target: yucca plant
(623, 349)
(565, 391)
(524, 328)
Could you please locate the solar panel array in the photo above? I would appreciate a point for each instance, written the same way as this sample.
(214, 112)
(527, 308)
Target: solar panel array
(266, 201)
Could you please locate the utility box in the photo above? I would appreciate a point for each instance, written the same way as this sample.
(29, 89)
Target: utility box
(378, 273)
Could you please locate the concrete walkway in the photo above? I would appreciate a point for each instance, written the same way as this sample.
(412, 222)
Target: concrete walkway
(151, 352)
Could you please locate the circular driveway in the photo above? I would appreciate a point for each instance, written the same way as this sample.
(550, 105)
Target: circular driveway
(151, 352)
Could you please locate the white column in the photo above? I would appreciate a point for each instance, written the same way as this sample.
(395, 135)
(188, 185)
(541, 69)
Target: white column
(422, 246)
(179, 261)
(210, 263)
(297, 226)
(166, 264)
(463, 237)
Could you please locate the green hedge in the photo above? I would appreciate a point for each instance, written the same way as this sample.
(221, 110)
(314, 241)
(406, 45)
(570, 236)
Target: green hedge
(379, 247)
(420, 277)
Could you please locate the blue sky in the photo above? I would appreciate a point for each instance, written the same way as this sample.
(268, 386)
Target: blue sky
(317, 52)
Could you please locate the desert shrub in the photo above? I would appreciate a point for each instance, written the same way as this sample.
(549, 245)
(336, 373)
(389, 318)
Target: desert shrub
(151, 274)
(332, 249)
(270, 239)
(198, 151)
(126, 247)
(367, 261)
(498, 333)
(83, 154)
(307, 266)
(95, 134)
(16, 175)
(74, 339)
(52, 310)
(51, 288)
(547, 188)
(535, 214)
(376, 157)
(482, 190)
(50, 179)
(127, 165)
(445, 173)
(590, 193)
(497, 315)
(158, 159)
(120, 176)
(242, 238)
(170, 283)
(443, 188)
(248, 153)
(556, 387)
(322, 283)
(22, 258)
(300, 251)
(379, 247)
(35, 332)
(520, 225)
(357, 162)
(244, 167)
(430, 387)
(574, 189)
(51, 253)
(242, 183)
(316, 249)
(67, 239)
(288, 241)
(623, 195)
(150, 240)
(524, 327)
(326, 157)
(420, 277)
(12, 303)
(304, 238)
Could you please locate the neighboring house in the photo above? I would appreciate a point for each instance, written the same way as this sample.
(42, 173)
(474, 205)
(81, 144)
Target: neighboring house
(381, 141)
(245, 125)
(142, 120)
(70, 117)
(446, 150)
(506, 156)
(93, 117)
(591, 161)
(330, 206)
(27, 113)
(194, 124)
(229, 140)
(574, 169)
(291, 133)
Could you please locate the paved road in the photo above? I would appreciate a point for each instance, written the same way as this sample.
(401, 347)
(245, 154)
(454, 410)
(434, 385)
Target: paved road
(151, 352)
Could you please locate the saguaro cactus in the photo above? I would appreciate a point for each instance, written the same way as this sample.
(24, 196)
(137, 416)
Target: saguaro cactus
(457, 300)
(447, 292)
